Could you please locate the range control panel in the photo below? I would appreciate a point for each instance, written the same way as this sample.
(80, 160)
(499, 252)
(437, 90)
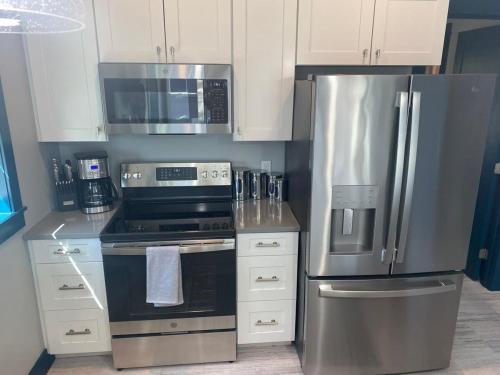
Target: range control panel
(175, 174)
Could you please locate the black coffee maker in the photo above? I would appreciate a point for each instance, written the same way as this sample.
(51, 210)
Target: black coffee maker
(96, 191)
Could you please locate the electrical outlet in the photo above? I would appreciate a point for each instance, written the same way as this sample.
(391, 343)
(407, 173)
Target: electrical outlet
(265, 165)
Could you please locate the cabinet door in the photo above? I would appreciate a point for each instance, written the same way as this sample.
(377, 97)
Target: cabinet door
(65, 84)
(409, 32)
(334, 32)
(264, 36)
(130, 30)
(198, 31)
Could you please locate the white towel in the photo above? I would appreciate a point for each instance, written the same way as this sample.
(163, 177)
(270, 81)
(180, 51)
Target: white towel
(164, 276)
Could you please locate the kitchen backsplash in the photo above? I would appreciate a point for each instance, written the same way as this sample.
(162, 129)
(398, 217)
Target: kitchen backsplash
(128, 148)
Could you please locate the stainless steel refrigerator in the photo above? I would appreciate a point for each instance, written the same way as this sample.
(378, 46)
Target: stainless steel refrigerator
(383, 177)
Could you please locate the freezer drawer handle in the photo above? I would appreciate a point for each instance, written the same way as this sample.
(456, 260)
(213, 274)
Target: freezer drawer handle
(69, 252)
(72, 332)
(273, 244)
(271, 322)
(67, 287)
(440, 287)
(274, 278)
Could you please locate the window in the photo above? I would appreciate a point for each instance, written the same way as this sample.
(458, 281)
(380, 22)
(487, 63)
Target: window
(11, 208)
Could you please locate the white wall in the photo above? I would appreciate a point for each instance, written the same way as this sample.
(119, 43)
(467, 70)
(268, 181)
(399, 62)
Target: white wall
(20, 333)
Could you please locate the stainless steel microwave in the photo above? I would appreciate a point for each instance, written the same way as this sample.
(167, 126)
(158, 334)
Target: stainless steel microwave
(166, 98)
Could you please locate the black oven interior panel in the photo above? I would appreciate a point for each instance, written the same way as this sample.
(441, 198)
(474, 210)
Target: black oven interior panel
(208, 281)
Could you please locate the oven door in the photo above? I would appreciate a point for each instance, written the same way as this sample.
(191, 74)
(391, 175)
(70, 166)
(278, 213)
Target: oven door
(166, 99)
(208, 282)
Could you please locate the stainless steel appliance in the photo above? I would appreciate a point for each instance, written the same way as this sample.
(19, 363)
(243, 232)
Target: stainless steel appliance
(240, 184)
(185, 204)
(383, 175)
(257, 184)
(95, 188)
(166, 98)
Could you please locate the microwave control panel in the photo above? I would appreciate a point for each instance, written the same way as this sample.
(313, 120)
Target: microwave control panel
(216, 101)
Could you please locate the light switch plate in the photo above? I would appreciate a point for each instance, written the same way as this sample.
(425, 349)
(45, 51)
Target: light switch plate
(265, 165)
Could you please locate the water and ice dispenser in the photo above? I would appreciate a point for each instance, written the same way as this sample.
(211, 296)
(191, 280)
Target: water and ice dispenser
(353, 218)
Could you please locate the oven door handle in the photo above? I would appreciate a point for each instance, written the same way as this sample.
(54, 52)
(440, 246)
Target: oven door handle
(130, 249)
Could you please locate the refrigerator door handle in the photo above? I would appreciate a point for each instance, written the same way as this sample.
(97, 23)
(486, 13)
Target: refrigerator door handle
(437, 287)
(410, 176)
(402, 104)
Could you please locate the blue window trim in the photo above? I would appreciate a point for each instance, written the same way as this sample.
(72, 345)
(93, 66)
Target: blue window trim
(15, 221)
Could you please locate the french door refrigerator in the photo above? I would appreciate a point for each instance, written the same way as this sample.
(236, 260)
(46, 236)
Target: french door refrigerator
(383, 177)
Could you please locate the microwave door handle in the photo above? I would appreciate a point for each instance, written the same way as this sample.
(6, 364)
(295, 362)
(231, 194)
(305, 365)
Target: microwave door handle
(410, 177)
(402, 105)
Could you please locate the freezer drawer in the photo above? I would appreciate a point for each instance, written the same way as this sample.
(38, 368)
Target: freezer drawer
(380, 326)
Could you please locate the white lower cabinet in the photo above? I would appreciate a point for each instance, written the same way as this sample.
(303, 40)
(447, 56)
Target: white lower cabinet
(71, 294)
(266, 321)
(267, 287)
(71, 285)
(77, 331)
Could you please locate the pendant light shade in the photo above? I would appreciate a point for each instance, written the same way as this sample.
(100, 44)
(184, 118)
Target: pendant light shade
(41, 16)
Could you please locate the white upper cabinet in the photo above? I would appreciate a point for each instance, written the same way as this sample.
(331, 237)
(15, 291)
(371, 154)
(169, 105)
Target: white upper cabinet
(264, 40)
(64, 84)
(371, 32)
(130, 30)
(198, 31)
(334, 32)
(409, 32)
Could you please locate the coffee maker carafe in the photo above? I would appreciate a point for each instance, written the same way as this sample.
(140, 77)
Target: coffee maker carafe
(95, 187)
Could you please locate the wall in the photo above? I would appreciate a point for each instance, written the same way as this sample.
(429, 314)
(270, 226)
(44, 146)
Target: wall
(123, 148)
(20, 338)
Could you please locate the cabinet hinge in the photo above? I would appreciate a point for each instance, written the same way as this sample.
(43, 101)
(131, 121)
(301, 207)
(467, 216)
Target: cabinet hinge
(483, 253)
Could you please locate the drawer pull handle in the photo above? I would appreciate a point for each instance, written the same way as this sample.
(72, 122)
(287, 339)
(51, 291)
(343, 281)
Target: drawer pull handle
(76, 287)
(272, 244)
(271, 322)
(72, 332)
(274, 278)
(70, 252)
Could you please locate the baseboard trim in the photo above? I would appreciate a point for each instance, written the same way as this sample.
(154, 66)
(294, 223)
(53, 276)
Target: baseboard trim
(42, 364)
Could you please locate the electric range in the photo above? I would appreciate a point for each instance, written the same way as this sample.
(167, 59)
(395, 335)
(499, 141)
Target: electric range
(184, 204)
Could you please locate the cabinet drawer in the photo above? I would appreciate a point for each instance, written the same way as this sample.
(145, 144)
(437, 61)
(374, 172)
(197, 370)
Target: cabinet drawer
(267, 278)
(77, 331)
(250, 244)
(67, 286)
(269, 321)
(65, 251)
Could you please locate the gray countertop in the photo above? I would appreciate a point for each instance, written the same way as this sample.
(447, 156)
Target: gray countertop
(249, 216)
(67, 225)
(259, 216)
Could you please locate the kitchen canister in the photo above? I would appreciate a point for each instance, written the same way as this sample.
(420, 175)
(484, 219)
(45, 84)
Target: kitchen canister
(257, 184)
(275, 186)
(240, 184)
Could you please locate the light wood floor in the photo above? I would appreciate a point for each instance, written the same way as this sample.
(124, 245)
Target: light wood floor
(476, 349)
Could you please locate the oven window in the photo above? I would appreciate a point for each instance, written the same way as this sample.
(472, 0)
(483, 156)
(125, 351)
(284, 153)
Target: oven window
(153, 101)
(208, 282)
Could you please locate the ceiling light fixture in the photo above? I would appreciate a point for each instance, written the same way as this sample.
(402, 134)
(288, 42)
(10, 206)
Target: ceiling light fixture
(41, 16)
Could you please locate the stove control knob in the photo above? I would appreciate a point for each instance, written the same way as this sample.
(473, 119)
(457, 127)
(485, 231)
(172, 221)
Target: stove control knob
(126, 176)
(224, 174)
(204, 174)
(137, 175)
(215, 174)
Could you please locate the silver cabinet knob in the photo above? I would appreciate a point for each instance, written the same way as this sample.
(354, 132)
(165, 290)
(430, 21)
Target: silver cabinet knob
(158, 50)
(378, 53)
